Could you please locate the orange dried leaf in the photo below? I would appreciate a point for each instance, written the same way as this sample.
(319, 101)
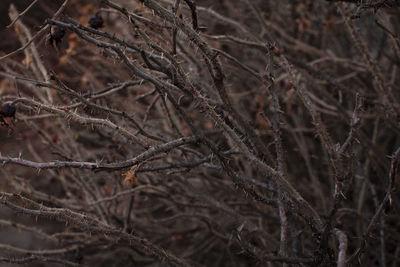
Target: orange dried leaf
(208, 125)
(130, 176)
(87, 9)
(63, 60)
(84, 80)
(107, 190)
(28, 61)
(72, 47)
(17, 29)
(83, 19)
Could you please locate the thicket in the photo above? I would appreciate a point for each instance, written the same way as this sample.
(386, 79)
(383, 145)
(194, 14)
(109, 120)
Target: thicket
(204, 133)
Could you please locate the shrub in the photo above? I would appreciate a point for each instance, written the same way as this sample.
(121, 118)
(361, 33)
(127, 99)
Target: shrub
(216, 133)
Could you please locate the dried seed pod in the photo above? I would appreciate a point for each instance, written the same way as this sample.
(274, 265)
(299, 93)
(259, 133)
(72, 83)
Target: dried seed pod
(8, 110)
(57, 33)
(96, 21)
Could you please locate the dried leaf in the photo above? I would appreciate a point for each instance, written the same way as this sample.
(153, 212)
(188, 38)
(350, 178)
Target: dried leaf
(72, 44)
(107, 190)
(208, 125)
(62, 61)
(28, 61)
(87, 9)
(130, 176)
